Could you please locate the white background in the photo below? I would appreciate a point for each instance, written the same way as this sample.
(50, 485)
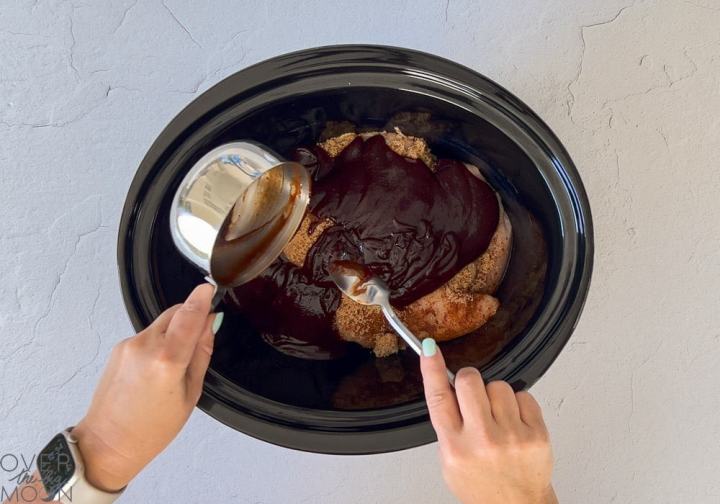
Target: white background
(633, 91)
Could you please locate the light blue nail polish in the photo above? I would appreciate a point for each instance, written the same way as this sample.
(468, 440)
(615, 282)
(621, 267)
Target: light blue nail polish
(429, 347)
(217, 322)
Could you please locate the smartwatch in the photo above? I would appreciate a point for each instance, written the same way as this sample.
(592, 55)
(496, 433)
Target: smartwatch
(62, 473)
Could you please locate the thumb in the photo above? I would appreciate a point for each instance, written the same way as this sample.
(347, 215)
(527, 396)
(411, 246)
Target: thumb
(188, 323)
(203, 353)
(440, 397)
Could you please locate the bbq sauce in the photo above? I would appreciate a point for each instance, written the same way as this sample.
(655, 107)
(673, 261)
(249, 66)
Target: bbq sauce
(412, 227)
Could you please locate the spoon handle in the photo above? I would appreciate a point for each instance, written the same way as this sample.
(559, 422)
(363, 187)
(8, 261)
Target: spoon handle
(218, 295)
(407, 335)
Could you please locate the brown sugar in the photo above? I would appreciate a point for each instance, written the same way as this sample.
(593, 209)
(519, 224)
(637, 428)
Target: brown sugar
(403, 145)
(385, 344)
(485, 273)
(410, 147)
(307, 234)
(336, 128)
(365, 325)
(335, 145)
(359, 323)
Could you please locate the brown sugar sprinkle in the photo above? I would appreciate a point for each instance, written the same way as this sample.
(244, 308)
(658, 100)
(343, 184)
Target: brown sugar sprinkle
(335, 145)
(385, 344)
(410, 147)
(336, 128)
(363, 322)
(307, 234)
(403, 145)
(485, 273)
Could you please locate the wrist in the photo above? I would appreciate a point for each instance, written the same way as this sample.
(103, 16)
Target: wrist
(105, 469)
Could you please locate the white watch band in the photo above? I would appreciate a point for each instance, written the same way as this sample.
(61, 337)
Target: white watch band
(80, 491)
(83, 492)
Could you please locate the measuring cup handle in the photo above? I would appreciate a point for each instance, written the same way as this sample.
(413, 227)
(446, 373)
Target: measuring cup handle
(217, 297)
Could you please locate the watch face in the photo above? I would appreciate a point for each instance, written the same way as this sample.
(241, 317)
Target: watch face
(56, 465)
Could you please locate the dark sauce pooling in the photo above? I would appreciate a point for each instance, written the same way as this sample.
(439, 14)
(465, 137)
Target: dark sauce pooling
(412, 227)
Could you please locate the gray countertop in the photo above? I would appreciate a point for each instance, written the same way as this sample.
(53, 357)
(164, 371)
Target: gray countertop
(633, 91)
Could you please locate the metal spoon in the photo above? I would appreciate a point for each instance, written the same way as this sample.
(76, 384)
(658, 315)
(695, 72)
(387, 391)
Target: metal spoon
(361, 286)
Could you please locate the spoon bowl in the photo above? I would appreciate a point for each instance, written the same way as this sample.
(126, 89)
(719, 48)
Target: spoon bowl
(261, 222)
(359, 284)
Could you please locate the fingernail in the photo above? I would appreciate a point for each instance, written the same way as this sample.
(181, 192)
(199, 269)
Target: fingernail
(219, 316)
(429, 347)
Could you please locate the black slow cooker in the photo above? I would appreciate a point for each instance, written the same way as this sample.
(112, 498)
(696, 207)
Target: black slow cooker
(359, 404)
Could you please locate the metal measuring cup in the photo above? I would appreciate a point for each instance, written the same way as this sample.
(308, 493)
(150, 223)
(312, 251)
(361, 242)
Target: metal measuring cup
(235, 210)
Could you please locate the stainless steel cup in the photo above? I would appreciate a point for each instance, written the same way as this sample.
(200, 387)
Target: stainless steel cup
(208, 192)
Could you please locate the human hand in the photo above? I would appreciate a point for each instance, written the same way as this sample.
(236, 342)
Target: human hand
(494, 446)
(150, 386)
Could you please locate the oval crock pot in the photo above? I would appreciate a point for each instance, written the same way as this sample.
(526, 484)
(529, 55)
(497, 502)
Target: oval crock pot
(357, 405)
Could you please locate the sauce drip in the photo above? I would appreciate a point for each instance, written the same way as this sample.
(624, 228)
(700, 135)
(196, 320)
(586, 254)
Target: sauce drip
(413, 228)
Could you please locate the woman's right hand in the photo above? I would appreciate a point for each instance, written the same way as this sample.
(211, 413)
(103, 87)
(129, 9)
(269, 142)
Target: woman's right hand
(494, 446)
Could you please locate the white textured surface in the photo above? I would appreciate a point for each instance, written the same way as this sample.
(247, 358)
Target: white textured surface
(633, 90)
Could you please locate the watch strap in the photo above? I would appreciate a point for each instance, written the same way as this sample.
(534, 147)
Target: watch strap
(82, 492)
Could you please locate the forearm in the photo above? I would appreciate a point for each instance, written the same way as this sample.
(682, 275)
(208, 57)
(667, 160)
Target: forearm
(30, 491)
